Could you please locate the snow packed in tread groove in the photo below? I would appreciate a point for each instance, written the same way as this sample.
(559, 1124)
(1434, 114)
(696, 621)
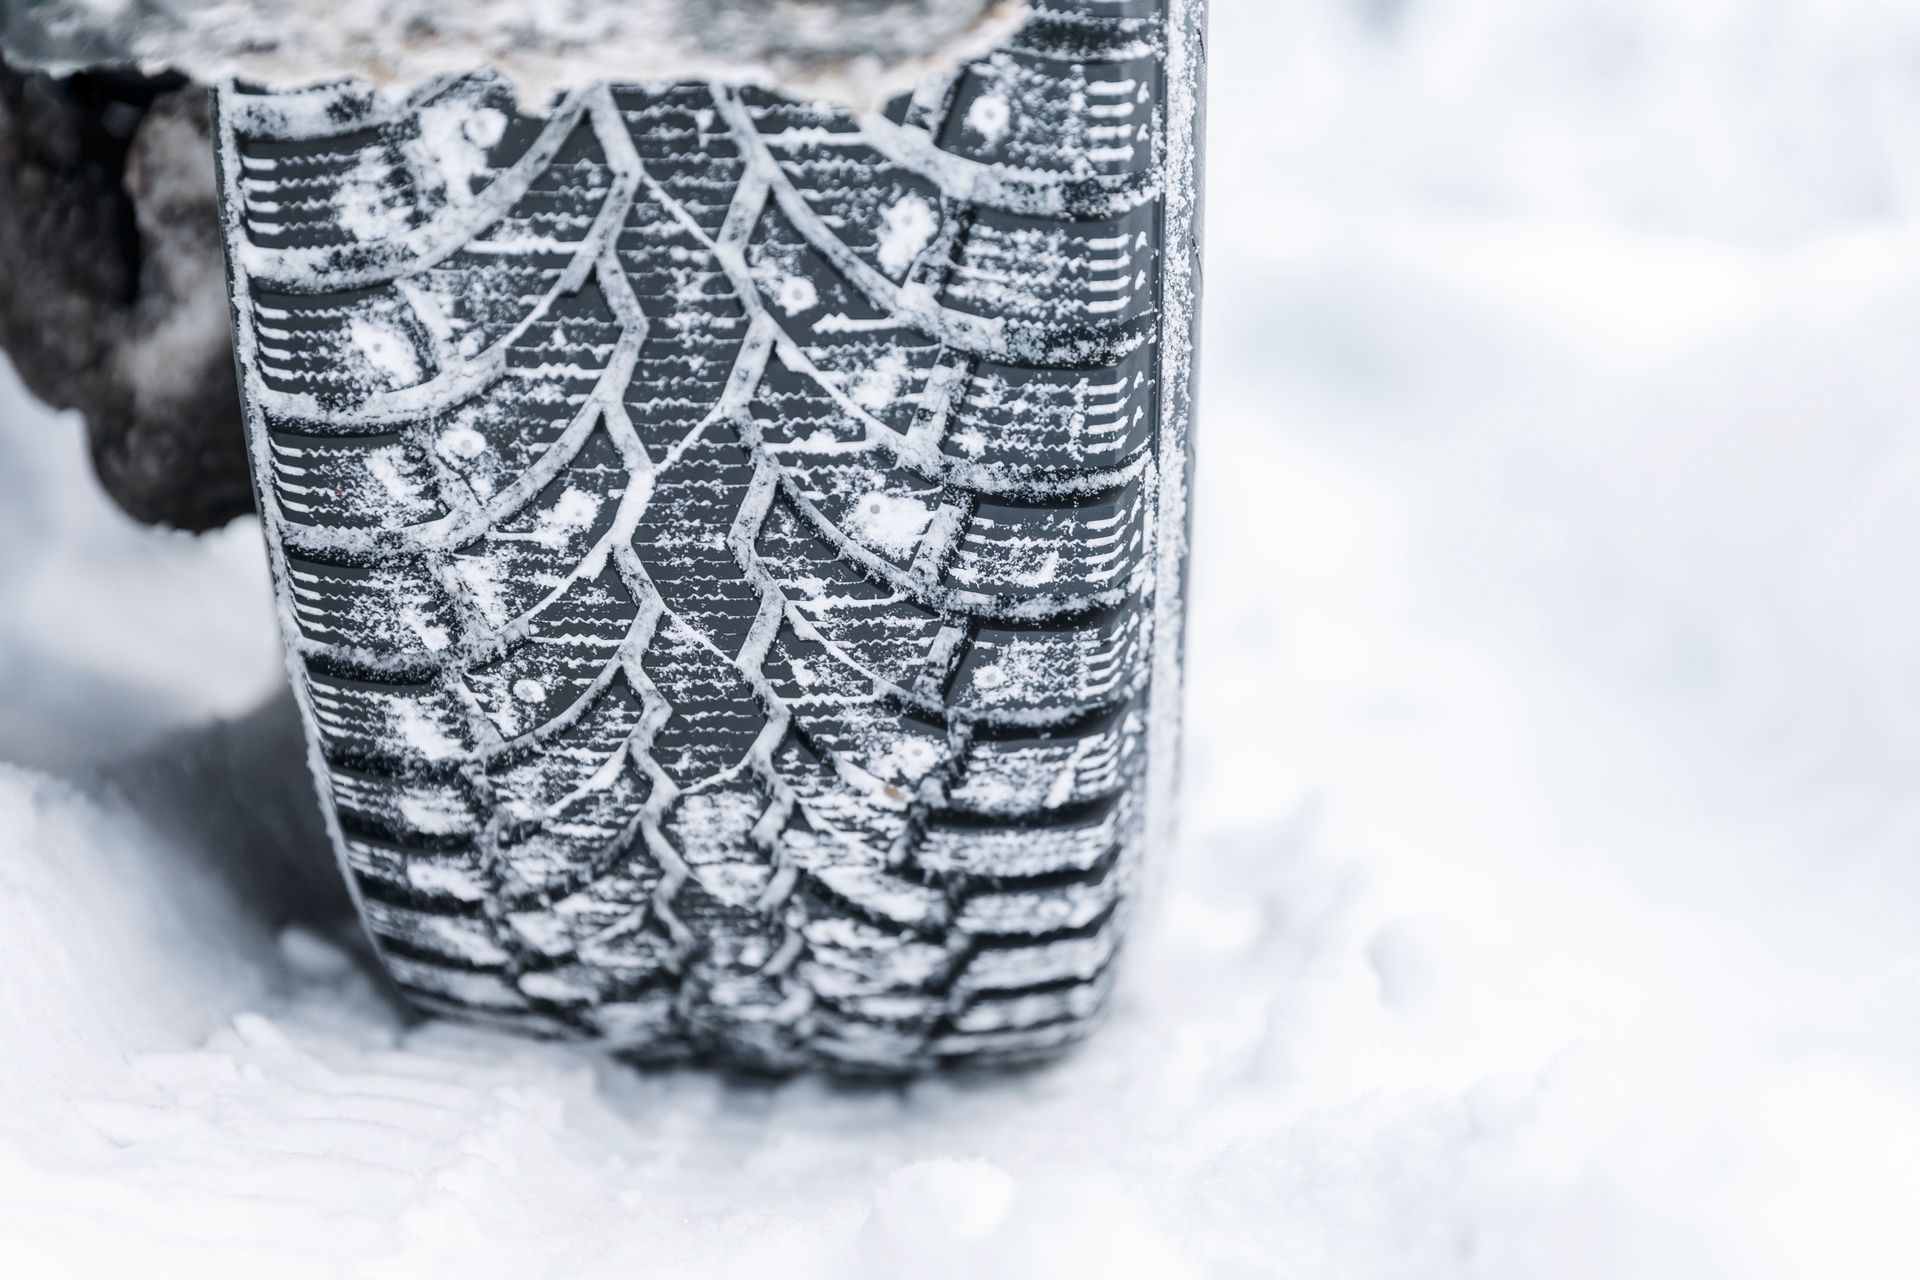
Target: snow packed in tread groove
(722, 539)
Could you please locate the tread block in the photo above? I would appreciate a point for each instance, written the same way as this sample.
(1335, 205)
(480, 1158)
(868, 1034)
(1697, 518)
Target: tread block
(340, 347)
(455, 940)
(1014, 1045)
(1066, 419)
(1070, 275)
(1037, 911)
(1028, 1010)
(1066, 960)
(1094, 118)
(878, 894)
(572, 648)
(438, 813)
(852, 806)
(558, 539)
(334, 191)
(1071, 846)
(398, 724)
(713, 832)
(715, 717)
(838, 710)
(682, 537)
(1085, 548)
(881, 634)
(1024, 671)
(449, 879)
(885, 214)
(1028, 771)
(716, 534)
(353, 482)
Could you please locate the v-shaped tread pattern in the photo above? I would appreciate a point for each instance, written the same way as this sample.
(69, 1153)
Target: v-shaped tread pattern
(721, 539)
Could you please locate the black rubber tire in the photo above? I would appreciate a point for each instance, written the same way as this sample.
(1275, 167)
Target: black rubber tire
(730, 549)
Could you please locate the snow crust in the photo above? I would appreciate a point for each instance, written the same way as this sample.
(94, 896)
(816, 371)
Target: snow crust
(1546, 899)
(855, 51)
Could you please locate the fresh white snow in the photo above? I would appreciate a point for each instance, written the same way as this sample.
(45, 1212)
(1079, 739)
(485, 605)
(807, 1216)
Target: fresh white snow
(890, 522)
(988, 116)
(1547, 904)
(909, 228)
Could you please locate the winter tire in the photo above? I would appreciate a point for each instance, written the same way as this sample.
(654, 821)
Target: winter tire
(729, 548)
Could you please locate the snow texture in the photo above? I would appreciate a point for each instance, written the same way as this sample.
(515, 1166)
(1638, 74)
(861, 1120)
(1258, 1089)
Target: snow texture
(1546, 900)
(856, 51)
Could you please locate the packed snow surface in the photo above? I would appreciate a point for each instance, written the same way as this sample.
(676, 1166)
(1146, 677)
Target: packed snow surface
(857, 51)
(1547, 906)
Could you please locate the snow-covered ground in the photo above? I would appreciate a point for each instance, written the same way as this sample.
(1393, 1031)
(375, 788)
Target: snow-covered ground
(1549, 901)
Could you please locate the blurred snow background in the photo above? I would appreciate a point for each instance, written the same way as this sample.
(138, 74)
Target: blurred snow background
(1549, 898)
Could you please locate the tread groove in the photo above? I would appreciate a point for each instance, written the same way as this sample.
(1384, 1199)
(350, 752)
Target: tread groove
(720, 537)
